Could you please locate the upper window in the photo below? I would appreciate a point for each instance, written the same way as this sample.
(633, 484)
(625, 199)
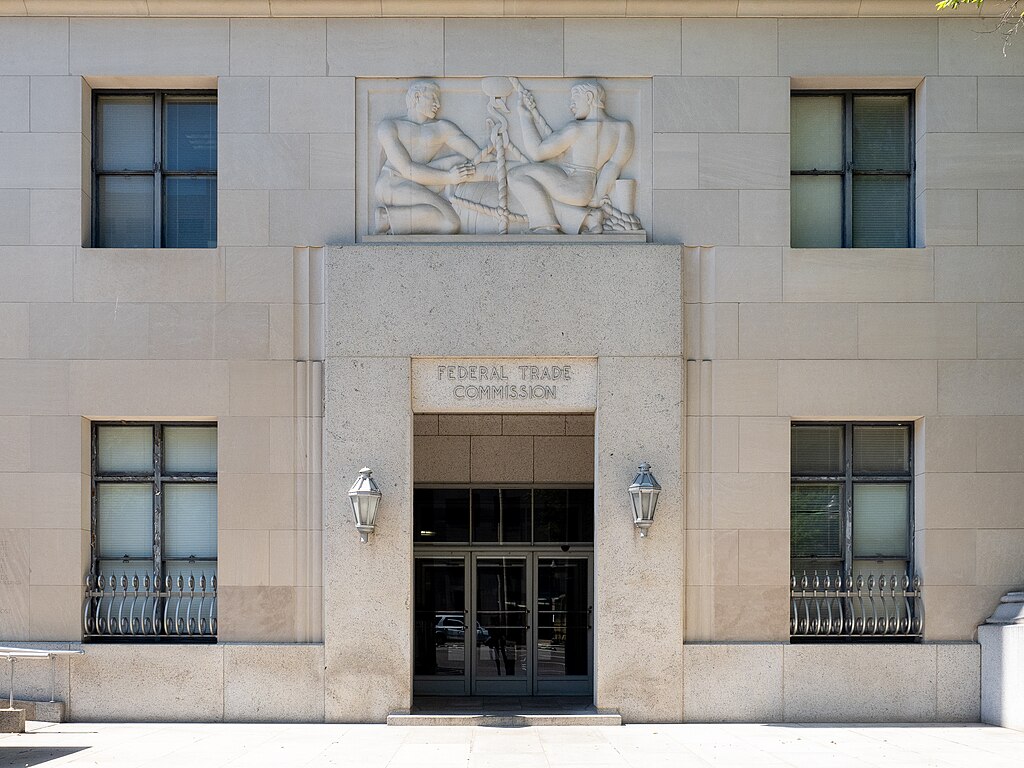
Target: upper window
(155, 169)
(852, 163)
(851, 531)
(154, 531)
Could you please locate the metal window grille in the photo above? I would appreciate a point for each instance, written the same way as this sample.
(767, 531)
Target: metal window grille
(154, 176)
(156, 593)
(852, 523)
(859, 168)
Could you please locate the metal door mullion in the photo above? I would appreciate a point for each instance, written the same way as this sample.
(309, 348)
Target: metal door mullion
(158, 506)
(158, 156)
(848, 499)
(847, 235)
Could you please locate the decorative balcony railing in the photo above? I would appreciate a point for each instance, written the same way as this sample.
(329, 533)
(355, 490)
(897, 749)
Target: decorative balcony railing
(837, 606)
(129, 606)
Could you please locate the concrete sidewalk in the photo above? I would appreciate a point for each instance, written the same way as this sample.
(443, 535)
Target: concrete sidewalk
(633, 746)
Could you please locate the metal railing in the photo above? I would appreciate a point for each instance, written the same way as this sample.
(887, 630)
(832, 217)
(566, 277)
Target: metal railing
(838, 606)
(33, 653)
(126, 606)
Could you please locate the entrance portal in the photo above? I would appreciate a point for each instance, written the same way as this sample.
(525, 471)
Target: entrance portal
(503, 587)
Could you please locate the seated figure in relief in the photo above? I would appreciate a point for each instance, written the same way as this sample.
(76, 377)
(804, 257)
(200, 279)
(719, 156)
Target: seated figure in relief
(596, 146)
(422, 155)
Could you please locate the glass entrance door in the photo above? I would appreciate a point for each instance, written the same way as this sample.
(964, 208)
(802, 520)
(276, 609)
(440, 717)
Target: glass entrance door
(514, 623)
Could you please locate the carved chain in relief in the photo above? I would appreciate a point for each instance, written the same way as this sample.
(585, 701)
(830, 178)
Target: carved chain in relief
(524, 177)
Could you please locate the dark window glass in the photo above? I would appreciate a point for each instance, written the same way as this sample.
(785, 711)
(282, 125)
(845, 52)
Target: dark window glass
(501, 516)
(563, 516)
(441, 515)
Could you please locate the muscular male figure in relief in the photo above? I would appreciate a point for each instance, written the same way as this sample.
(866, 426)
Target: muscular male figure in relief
(598, 147)
(423, 155)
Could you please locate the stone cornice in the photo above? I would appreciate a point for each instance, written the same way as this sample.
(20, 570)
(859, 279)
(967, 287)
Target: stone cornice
(491, 8)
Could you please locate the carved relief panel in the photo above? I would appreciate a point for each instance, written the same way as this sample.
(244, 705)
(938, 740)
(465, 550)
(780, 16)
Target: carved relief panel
(503, 157)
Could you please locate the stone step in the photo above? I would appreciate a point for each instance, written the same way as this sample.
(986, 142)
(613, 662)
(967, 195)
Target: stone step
(43, 711)
(506, 719)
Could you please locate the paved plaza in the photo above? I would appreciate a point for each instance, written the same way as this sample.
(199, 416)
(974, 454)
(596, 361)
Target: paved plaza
(634, 746)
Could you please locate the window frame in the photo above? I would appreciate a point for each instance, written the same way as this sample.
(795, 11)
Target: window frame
(848, 479)
(847, 174)
(157, 478)
(157, 171)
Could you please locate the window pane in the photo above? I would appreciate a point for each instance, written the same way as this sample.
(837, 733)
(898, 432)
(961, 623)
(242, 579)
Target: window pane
(816, 133)
(816, 450)
(126, 212)
(563, 516)
(190, 520)
(190, 449)
(816, 211)
(815, 520)
(190, 212)
(881, 133)
(441, 515)
(881, 450)
(501, 515)
(124, 449)
(880, 524)
(190, 133)
(125, 519)
(125, 126)
(881, 217)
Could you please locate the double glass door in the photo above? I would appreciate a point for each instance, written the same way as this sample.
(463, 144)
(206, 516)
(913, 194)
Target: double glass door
(503, 623)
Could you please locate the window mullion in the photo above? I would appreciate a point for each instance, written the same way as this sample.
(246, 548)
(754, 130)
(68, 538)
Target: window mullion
(94, 566)
(158, 504)
(158, 126)
(848, 171)
(848, 499)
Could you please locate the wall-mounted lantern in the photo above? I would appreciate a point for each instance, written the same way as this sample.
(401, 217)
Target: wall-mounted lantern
(365, 497)
(644, 494)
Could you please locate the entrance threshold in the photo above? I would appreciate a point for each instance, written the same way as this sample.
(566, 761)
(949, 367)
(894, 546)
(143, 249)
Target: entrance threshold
(504, 711)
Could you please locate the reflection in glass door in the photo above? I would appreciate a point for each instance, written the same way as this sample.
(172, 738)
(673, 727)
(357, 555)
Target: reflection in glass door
(439, 626)
(501, 659)
(563, 625)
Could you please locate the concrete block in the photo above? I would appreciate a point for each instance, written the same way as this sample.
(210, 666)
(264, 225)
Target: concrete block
(981, 387)
(243, 217)
(258, 274)
(902, 685)
(498, 459)
(34, 387)
(262, 388)
(763, 444)
(14, 100)
(579, 424)
(925, 331)
(12, 720)
(424, 424)
(311, 217)
(506, 41)
(998, 559)
(999, 216)
(750, 614)
(56, 104)
(256, 502)
(332, 162)
(563, 459)
(1002, 450)
(14, 598)
(56, 444)
(243, 105)
(725, 442)
(954, 613)
(55, 557)
(748, 274)
(987, 161)
(948, 557)
(145, 275)
(868, 389)
(132, 683)
(15, 442)
(950, 105)
(979, 274)
(730, 47)
(533, 424)
(744, 161)
(14, 216)
(745, 388)
(263, 161)
(994, 497)
(1002, 675)
(764, 104)
(279, 47)
(243, 557)
(763, 557)
(41, 160)
(181, 331)
(750, 500)
(847, 47)
(148, 389)
(696, 217)
(56, 216)
(862, 274)
(951, 216)
(696, 104)
(242, 614)
(34, 46)
(55, 612)
(622, 47)
(1001, 104)
(385, 47)
(949, 444)
(441, 459)
(273, 683)
(764, 217)
(241, 332)
(731, 682)
(962, 49)
(471, 424)
(675, 161)
(797, 331)
(312, 104)
(149, 46)
(116, 331)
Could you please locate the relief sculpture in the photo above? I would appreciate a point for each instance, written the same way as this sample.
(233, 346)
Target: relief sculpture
(435, 179)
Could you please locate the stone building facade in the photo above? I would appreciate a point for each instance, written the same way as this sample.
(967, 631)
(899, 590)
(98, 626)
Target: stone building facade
(316, 344)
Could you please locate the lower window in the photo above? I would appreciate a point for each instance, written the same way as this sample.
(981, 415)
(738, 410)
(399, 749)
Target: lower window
(851, 531)
(153, 567)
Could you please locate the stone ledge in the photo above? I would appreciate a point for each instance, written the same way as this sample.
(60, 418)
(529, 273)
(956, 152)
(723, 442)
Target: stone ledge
(639, 236)
(43, 711)
(505, 720)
